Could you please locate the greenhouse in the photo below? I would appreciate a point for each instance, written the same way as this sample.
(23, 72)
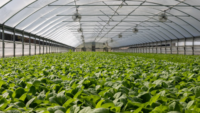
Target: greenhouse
(99, 56)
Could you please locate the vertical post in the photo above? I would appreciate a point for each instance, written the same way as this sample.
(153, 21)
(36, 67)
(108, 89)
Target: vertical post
(35, 44)
(152, 47)
(46, 47)
(165, 47)
(156, 47)
(14, 46)
(177, 46)
(3, 44)
(184, 46)
(29, 44)
(193, 45)
(149, 47)
(161, 47)
(49, 47)
(39, 47)
(171, 47)
(43, 46)
(23, 43)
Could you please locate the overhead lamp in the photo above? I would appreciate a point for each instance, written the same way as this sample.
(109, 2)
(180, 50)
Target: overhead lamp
(163, 17)
(82, 36)
(76, 17)
(80, 30)
(111, 40)
(135, 30)
(120, 36)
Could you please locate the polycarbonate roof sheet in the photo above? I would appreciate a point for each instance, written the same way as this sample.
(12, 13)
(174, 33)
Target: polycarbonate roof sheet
(103, 20)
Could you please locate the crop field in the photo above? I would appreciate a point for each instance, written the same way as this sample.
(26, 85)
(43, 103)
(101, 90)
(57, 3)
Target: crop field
(99, 83)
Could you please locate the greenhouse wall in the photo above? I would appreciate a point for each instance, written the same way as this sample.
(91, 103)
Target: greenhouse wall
(18, 45)
(187, 46)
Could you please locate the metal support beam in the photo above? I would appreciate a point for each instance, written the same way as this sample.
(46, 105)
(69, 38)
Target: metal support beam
(3, 44)
(193, 45)
(177, 50)
(171, 47)
(127, 5)
(14, 45)
(23, 43)
(43, 46)
(184, 46)
(46, 47)
(35, 44)
(39, 47)
(29, 44)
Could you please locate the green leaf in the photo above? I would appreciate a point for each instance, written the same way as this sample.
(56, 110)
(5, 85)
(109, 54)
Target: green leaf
(86, 110)
(99, 103)
(154, 99)
(13, 111)
(23, 97)
(190, 104)
(68, 102)
(19, 92)
(139, 109)
(197, 91)
(101, 110)
(74, 109)
(174, 106)
(30, 102)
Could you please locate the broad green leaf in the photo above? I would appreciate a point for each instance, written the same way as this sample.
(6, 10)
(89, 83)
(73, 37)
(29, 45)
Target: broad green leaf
(99, 103)
(101, 110)
(190, 104)
(30, 102)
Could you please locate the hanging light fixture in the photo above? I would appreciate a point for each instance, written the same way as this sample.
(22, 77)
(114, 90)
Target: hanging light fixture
(82, 36)
(163, 17)
(120, 36)
(111, 40)
(135, 30)
(80, 30)
(76, 17)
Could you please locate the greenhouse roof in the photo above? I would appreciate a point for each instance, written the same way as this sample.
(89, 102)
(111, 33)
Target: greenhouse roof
(118, 22)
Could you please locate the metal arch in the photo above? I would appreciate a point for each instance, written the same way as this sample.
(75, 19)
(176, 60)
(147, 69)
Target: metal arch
(187, 14)
(33, 13)
(185, 22)
(47, 33)
(175, 15)
(19, 11)
(176, 23)
(39, 30)
(61, 31)
(57, 34)
(157, 36)
(165, 33)
(188, 4)
(5, 3)
(52, 17)
(45, 24)
(153, 37)
(49, 30)
(134, 38)
(181, 27)
(170, 27)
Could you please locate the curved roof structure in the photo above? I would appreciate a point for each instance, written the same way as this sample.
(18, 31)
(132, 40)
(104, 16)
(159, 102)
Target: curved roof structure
(103, 20)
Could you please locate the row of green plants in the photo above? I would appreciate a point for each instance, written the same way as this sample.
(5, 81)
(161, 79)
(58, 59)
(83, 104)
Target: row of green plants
(167, 57)
(87, 82)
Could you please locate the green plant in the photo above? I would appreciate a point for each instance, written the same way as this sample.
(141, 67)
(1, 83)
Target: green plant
(87, 82)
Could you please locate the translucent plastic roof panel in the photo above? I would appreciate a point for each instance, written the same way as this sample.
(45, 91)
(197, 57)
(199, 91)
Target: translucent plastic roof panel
(103, 20)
